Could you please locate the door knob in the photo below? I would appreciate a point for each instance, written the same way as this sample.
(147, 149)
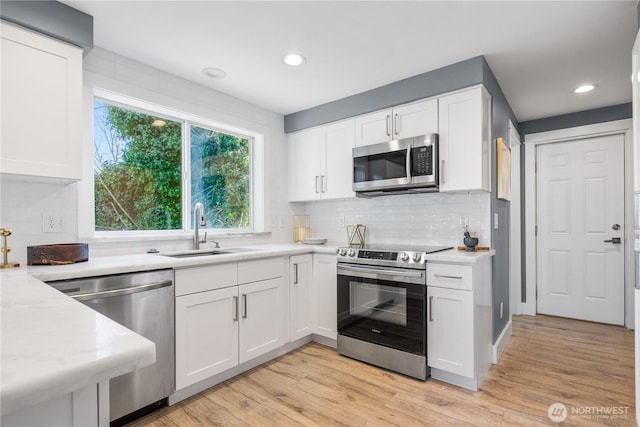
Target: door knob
(615, 227)
(614, 240)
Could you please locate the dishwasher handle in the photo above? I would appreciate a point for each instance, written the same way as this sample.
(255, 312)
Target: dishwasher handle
(122, 291)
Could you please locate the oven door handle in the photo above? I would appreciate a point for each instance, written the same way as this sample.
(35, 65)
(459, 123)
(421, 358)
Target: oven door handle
(408, 165)
(369, 270)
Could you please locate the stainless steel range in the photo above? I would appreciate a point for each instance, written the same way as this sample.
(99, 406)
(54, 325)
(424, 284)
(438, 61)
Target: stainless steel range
(382, 292)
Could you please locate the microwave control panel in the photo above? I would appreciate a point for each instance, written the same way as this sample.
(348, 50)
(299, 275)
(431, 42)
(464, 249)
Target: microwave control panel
(422, 161)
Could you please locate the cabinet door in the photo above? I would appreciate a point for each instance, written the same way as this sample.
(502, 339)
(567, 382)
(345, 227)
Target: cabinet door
(373, 128)
(338, 160)
(416, 119)
(300, 299)
(305, 151)
(41, 100)
(464, 122)
(206, 335)
(450, 330)
(325, 295)
(262, 323)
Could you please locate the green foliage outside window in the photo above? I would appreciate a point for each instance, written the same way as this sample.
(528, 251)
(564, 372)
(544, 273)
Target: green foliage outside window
(220, 177)
(138, 173)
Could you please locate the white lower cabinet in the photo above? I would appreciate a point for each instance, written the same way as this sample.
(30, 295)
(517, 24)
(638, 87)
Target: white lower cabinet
(88, 406)
(222, 322)
(459, 322)
(300, 296)
(261, 308)
(325, 292)
(206, 334)
(450, 337)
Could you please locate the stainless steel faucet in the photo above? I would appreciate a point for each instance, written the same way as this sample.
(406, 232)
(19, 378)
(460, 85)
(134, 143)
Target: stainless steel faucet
(198, 220)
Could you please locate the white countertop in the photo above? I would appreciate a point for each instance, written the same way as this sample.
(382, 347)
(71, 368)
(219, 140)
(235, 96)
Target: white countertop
(52, 344)
(458, 256)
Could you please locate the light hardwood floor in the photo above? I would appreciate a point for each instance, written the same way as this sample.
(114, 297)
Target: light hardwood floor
(585, 366)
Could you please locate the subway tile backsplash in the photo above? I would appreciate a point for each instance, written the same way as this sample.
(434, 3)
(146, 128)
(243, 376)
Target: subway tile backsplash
(423, 219)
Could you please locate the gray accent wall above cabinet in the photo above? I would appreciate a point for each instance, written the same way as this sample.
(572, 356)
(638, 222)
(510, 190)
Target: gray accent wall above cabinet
(52, 18)
(446, 79)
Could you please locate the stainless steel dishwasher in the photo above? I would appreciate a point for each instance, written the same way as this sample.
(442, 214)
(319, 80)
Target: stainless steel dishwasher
(144, 303)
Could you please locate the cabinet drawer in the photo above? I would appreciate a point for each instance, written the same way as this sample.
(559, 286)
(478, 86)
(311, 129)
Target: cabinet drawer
(255, 271)
(452, 276)
(200, 279)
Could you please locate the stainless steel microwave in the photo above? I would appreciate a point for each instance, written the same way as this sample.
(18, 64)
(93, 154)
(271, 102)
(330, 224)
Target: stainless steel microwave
(401, 166)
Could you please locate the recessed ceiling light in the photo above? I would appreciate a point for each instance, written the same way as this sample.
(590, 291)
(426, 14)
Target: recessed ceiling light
(158, 123)
(585, 88)
(214, 73)
(294, 59)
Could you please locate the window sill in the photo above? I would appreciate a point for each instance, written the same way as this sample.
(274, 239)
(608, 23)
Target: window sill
(150, 237)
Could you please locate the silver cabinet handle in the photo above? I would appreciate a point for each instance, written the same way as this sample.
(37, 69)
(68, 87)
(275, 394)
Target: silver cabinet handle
(244, 306)
(317, 176)
(295, 274)
(324, 183)
(442, 171)
(430, 309)
(444, 276)
(387, 123)
(235, 308)
(396, 127)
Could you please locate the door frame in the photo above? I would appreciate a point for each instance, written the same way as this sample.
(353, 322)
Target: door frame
(531, 141)
(515, 225)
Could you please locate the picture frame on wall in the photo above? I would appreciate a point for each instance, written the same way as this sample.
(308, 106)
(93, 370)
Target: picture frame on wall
(503, 154)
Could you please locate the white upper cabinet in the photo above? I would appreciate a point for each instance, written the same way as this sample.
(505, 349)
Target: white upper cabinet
(41, 121)
(405, 121)
(320, 165)
(465, 150)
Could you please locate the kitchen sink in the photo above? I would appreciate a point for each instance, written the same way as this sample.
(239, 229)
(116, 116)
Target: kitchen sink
(205, 252)
(196, 253)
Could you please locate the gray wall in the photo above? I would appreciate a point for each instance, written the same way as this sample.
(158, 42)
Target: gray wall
(501, 116)
(53, 19)
(589, 117)
(453, 77)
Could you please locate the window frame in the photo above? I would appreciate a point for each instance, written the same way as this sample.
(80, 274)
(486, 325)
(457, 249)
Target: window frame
(256, 170)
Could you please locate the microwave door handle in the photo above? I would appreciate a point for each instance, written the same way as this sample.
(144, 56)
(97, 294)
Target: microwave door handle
(408, 165)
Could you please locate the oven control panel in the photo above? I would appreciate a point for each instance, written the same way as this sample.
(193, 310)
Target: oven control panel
(398, 256)
(385, 256)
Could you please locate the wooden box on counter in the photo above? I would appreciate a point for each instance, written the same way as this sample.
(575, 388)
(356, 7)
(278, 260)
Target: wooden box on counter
(57, 254)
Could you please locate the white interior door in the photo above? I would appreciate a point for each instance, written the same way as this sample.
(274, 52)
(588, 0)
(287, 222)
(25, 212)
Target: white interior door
(580, 209)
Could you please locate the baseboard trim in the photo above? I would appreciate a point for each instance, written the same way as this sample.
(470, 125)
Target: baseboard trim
(501, 342)
(329, 342)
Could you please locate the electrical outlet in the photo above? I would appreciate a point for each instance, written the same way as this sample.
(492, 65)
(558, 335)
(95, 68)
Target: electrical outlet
(341, 221)
(495, 221)
(53, 222)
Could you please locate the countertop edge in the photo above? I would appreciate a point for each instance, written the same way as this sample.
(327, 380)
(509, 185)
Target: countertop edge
(461, 257)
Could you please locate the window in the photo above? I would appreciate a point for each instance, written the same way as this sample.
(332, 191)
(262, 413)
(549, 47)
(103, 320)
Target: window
(220, 177)
(139, 181)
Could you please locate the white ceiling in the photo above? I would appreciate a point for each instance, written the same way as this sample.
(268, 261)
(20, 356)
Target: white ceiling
(539, 51)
